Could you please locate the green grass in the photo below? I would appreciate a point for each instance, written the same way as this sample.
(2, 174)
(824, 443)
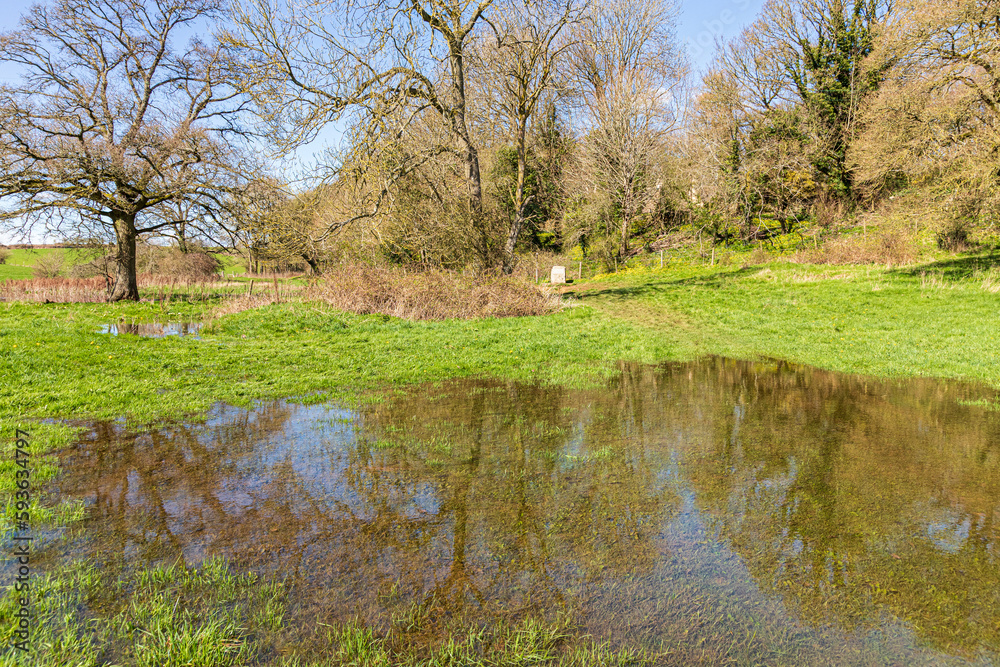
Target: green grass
(232, 263)
(939, 319)
(161, 617)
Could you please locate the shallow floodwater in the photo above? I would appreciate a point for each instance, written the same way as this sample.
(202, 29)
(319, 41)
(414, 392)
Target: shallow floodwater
(718, 511)
(153, 329)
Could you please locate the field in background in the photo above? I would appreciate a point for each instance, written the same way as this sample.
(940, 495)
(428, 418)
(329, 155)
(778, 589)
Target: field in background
(20, 263)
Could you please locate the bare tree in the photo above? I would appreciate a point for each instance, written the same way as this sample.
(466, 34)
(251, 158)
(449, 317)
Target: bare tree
(811, 52)
(630, 75)
(380, 64)
(935, 124)
(111, 122)
(521, 62)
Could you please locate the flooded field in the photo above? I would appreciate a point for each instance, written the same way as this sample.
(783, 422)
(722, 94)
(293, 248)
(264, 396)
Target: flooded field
(713, 512)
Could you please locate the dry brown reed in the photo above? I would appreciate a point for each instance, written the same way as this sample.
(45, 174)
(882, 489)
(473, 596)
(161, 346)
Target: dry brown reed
(89, 290)
(884, 247)
(429, 294)
(244, 302)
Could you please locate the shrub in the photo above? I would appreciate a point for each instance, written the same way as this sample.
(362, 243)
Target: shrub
(828, 211)
(429, 294)
(4, 255)
(954, 235)
(88, 269)
(193, 266)
(48, 265)
(188, 266)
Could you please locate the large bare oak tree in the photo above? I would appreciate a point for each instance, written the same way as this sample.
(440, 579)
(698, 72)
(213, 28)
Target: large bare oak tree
(112, 121)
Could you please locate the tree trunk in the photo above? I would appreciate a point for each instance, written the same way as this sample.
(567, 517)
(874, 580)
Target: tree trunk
(474, 179)
(518, 221)
(470, 156)
(626, 213)
(126, 282)
(182, 236)
(468, 152)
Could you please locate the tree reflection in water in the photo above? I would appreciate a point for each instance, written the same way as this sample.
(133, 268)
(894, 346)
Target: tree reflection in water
(727, 510)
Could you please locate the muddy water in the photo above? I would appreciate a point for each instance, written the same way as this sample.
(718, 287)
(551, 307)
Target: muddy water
(715, 511)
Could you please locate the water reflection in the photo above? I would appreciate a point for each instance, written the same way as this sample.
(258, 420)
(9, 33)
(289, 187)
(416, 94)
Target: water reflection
(723, 511)
(152, 329)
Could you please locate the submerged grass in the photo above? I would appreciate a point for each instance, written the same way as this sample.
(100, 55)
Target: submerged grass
(210, 616)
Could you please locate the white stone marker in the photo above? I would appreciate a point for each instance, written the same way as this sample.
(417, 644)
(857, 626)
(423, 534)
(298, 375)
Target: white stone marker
(558, 275)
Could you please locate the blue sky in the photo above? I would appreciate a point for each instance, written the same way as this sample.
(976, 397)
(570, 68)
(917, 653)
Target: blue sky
(701, 23)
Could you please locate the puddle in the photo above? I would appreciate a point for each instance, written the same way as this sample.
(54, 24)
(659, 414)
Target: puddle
(724, 511)
(153, 329)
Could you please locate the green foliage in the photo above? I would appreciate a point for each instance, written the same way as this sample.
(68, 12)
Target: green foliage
(829, 78)
(543, 189)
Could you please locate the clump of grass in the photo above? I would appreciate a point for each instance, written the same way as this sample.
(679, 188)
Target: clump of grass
(160, 617)
(429, 294)
(991, 283)
(529, 641)
(800, 277)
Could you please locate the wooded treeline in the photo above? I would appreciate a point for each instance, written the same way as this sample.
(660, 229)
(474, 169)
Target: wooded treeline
(475, 130)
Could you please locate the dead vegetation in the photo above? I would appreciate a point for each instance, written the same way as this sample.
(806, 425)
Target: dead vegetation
(171, 263)
(886, 247)
(429, 294)
(94, 289)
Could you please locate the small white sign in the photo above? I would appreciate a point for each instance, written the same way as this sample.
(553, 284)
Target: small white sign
(558, 275)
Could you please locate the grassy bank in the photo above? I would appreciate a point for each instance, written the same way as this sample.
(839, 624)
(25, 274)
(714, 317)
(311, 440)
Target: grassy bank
(939, 319)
